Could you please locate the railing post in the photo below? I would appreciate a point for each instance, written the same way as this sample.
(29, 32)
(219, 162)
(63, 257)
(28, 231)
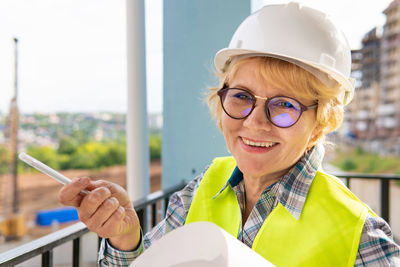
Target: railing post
(44, 246)
(385, 199)
(166, 201)
(142, 215)
(153, 214)
(348, 182)
(76, 252)
(47, 259)
(162, 209)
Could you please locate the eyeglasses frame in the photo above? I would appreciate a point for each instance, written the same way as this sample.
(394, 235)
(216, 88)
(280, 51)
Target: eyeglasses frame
(303, 107)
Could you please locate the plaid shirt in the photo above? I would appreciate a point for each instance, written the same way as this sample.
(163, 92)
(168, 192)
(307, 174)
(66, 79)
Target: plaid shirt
(376, 248)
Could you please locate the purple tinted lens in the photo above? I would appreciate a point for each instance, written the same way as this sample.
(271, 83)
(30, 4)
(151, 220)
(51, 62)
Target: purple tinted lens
(284, 112)
(246, 111)
(283, 120)
(237, 103)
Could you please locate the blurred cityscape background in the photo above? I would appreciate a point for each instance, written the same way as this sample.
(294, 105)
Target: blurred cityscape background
(373, 118)
(79, 140)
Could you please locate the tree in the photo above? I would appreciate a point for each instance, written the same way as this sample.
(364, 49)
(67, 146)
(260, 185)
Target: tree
(67, 145)
(45, 154)
(155, 146)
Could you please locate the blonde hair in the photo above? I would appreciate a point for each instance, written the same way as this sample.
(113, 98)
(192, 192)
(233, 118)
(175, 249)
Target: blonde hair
(298, 82)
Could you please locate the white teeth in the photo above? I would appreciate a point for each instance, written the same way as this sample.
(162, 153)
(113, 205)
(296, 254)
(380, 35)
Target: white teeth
(259, 144)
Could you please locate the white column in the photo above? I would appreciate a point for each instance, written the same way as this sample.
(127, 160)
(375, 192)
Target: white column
(137, 125)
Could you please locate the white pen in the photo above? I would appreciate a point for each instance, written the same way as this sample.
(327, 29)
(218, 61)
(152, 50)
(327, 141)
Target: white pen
(40, 166)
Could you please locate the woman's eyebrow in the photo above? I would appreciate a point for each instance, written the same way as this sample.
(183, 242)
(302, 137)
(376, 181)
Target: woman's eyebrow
(240, 86)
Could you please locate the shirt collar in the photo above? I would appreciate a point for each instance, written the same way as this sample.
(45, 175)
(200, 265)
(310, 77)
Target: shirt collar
(234, 180)
(294, 186)
(292, 189)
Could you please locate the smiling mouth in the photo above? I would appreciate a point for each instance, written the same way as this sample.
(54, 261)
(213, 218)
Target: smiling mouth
(258, 144)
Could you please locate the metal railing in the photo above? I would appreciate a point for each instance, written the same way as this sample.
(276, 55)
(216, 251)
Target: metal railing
(384, 188)
(154, 204)
(150, 210)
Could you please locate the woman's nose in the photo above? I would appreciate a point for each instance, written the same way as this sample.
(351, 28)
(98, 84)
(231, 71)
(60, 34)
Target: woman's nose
(258, 119)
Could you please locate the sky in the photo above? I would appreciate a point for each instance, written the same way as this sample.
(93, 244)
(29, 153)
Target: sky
(72, 53)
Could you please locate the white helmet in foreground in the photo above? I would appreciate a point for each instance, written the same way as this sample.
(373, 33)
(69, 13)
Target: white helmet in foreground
(297, 34)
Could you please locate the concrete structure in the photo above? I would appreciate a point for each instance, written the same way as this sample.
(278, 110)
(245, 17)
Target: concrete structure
(193, 32)
(350, 117)
(138, 154)
(369, 93)
(370, 60)
(361, 113)
(389, 110)
(374, 115)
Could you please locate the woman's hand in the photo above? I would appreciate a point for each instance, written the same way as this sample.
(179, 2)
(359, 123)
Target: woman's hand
(106, 210)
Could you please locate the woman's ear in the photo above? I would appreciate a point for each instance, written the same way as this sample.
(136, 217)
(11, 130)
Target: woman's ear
(316, 135)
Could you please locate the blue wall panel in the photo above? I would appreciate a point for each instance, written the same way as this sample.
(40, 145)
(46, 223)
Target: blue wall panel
(193, 32)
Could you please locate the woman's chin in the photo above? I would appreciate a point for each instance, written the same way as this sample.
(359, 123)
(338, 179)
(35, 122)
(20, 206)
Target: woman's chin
(253, 169)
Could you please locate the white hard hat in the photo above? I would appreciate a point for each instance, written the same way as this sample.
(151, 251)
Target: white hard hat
(297, 34)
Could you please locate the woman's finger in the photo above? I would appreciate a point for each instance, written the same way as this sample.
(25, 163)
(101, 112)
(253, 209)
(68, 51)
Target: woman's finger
(70, 195)
(102, 214)
(112, 225)
(92, 201)
(116, 191)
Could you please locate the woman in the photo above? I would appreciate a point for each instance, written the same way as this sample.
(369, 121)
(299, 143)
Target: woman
(284, 82)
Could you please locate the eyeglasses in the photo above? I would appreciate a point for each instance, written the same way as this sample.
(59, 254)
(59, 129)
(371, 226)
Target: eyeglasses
(282, 111)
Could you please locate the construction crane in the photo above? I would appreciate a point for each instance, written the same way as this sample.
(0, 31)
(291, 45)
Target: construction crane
(13, 226)
(14, 134)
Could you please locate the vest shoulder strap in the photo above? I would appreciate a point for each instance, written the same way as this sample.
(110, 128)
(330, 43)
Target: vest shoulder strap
(346, 191)
(223, 210)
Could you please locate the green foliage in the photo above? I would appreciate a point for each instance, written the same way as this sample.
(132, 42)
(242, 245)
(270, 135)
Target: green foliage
(76, 148)
(82, 161)
(357, 160)
(64, 161)
(96, 155)
(397, 173)
(116, 154)
(74, 152)
(155, 146)
(348, 165)
(5, 160)
(67, 145)
(359, 151)
(80, 136)
(90, 155)
(45, 154)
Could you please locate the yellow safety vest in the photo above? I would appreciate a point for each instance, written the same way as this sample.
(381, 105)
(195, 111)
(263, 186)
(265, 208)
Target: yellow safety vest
(327, 233)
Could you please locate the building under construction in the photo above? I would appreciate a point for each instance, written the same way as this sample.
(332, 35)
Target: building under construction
(374, 114)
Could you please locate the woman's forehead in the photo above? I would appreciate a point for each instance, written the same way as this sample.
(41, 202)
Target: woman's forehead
(252, 74)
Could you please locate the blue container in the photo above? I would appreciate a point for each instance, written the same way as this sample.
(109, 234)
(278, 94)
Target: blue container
(61, 215)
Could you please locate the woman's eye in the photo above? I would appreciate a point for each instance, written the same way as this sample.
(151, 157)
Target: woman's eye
(242, 96)
(285, 104)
